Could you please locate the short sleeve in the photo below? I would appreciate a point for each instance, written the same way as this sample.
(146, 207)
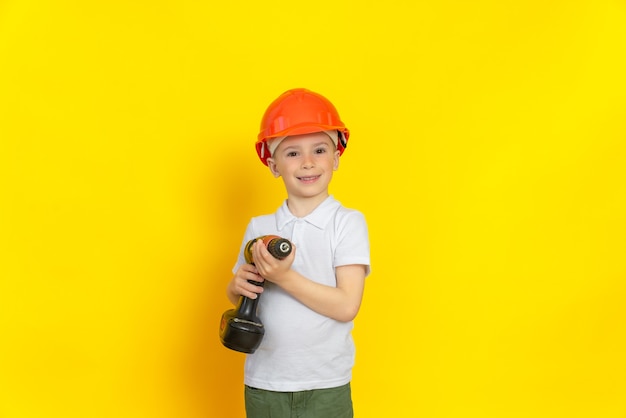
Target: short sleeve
(352, 245)
(248, 235)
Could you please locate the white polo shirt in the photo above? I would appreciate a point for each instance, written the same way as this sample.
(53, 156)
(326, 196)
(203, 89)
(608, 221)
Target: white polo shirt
(301, 349)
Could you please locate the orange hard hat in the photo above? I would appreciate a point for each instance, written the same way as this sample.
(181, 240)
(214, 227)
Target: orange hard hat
(296, 112)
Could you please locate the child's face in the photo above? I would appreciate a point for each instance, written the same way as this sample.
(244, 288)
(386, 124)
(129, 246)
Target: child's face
(306, 164)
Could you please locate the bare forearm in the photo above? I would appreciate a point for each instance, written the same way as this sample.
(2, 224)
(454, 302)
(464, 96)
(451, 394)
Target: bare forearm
(232, 297)
(340, 302)
(337, 303)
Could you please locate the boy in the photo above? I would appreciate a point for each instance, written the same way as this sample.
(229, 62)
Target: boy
(303, 365)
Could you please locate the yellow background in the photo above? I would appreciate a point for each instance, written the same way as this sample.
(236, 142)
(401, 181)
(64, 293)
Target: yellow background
(488, 154)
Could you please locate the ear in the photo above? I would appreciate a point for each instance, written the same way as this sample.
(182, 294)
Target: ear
(272, 165)
(336, 160)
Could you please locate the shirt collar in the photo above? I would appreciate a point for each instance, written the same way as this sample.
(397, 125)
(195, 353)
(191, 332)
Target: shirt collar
(318, 218)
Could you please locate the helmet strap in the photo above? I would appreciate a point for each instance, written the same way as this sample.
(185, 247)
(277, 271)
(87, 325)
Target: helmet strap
(342, 140)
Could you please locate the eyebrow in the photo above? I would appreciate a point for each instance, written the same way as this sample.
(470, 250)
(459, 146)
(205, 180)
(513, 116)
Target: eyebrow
(317, 144)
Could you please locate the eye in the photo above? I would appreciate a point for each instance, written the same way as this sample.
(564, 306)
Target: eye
(320, 150)
(292, 154)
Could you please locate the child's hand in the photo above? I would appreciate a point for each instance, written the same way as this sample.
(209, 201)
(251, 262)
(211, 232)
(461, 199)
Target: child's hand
(269, 267)
(240, 286)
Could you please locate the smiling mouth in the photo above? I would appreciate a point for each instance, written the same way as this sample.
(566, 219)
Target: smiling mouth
(310, 178)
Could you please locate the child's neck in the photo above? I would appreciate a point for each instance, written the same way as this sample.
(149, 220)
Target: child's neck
(301, 207)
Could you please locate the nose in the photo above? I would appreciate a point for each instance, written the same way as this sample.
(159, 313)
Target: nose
(307, 161)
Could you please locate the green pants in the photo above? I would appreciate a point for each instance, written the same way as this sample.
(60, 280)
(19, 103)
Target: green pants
(318, 403)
